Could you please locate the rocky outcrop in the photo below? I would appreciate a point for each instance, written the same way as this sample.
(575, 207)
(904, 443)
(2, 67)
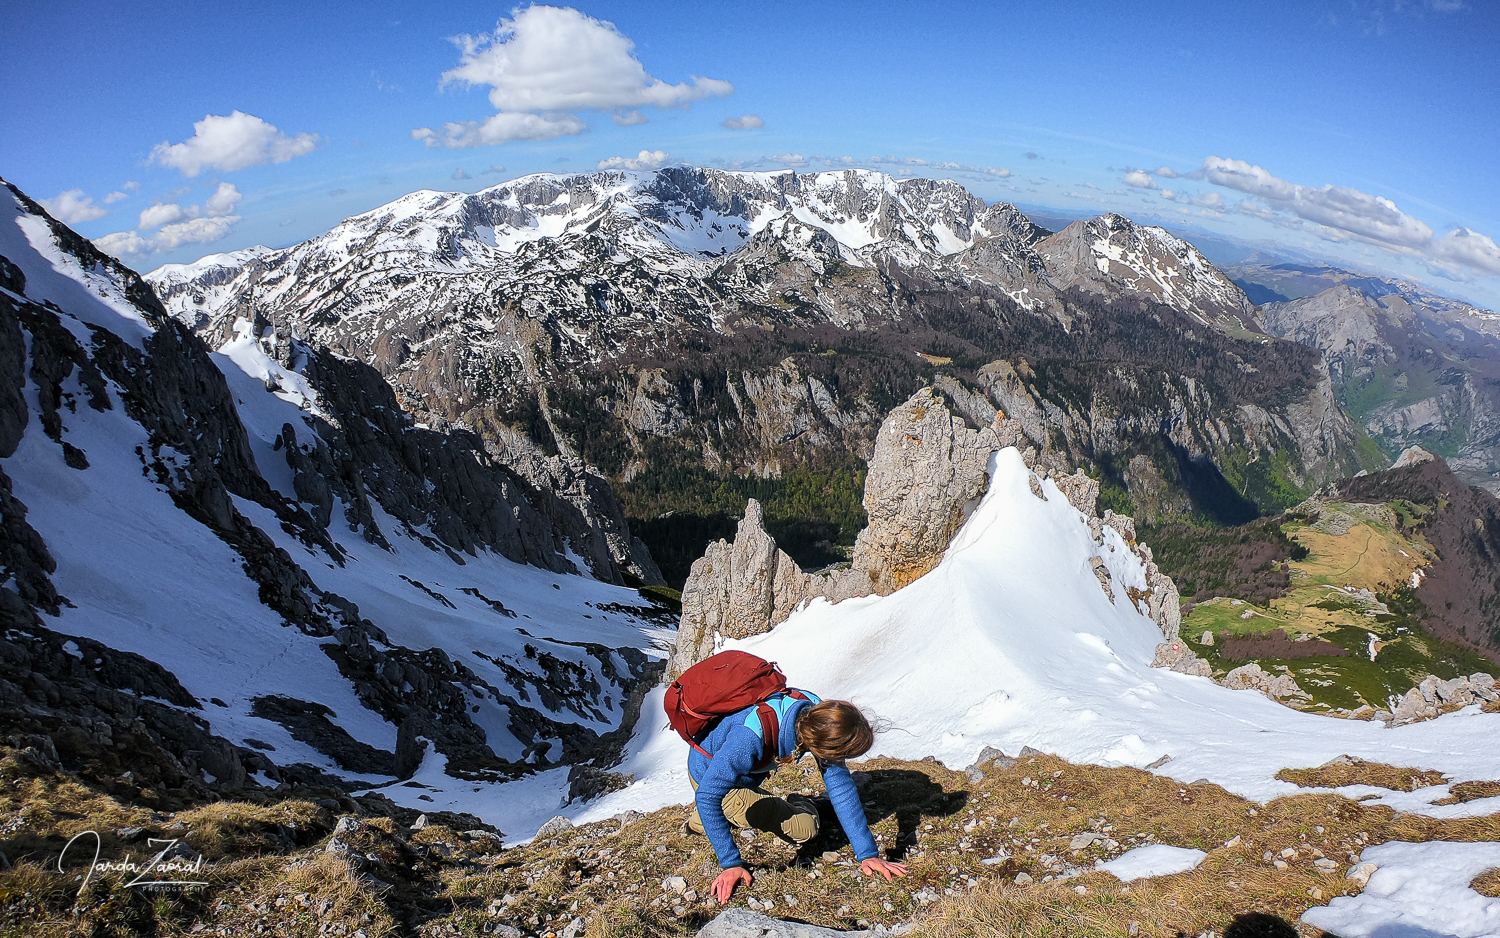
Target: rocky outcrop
(1434, 696)
(1177, 656)
(927, 475)
(736, 590)
(1280, 687)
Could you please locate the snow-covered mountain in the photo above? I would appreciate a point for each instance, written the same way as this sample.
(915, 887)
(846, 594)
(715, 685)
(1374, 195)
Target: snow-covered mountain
(682, 223)
(1104, 254)
(266, 570)
(751, 322)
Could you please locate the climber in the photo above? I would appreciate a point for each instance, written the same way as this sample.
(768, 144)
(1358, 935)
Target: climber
(729, 764)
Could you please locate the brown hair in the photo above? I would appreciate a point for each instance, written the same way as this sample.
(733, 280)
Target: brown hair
(834, 729)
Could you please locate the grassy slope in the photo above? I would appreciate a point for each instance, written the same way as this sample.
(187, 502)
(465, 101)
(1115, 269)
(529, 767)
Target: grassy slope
(1321, 599)
(941, 822)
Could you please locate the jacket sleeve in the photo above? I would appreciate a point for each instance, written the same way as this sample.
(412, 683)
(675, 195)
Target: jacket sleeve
(848, 807)
(735, 758)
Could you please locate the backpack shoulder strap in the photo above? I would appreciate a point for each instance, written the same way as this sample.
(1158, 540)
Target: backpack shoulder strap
(770, 735)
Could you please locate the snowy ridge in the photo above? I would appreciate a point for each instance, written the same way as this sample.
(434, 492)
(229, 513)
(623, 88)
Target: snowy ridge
(1009, 643)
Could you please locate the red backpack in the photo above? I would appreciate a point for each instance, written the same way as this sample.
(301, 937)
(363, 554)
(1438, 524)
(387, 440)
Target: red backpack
(723, 684)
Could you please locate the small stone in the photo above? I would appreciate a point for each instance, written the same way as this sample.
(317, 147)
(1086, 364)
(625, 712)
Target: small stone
(419, 823)
(1326, 865)
(1081, 890)
(1279, 864)
(1023, 878)
(1235, 842)
(830, 856)
(1360, 874)
(674, 884)
(347, 825)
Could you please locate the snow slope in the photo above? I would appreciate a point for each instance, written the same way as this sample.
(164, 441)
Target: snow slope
(1010, 642)
(142, 575)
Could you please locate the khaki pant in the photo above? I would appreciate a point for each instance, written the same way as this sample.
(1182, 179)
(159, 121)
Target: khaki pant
(794, 819)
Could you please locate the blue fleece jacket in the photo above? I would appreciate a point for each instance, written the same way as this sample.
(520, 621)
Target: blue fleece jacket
(736, 746)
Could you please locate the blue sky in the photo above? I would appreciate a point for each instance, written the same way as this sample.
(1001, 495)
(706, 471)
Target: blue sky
(1359, 131)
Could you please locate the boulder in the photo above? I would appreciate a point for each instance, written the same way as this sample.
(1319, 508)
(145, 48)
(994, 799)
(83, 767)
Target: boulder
(743, 923)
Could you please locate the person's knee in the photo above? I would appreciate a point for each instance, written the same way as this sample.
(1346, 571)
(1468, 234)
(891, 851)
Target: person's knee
(800, 827)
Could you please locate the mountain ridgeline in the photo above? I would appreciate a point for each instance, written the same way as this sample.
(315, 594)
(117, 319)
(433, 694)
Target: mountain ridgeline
(731, 332)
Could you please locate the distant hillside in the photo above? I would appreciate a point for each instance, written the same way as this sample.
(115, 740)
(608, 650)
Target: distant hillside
(1359, 592)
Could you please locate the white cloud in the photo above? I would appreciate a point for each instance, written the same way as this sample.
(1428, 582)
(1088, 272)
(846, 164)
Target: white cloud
(1140, 179)
(131, 185)
(223, 201)
(543, 64)
(1340, 213)
(459, 175)
(1255, 209)
(230, 142)
(744, 122)
(1167, 194)
(72, 207)
(115, 196)
(194, 231)
(1000, 171)
(156, 215)
(501, 128)
(495, 168)
(1467, 248)
(122, 244)
(1344, 209)
(646, 159)
(557, 59)
(199, 230)
(790, 159)
(1167, 172)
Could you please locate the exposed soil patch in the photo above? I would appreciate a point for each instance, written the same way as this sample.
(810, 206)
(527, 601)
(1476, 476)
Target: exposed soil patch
(1275, 644)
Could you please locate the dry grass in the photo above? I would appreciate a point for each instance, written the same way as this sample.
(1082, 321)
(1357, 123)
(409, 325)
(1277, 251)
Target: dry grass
(1470, 791)
(442, 883)
(1359, 772)
(1487, 883)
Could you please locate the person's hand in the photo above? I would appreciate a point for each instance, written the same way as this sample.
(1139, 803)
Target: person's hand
(885, 868)
(723, 887)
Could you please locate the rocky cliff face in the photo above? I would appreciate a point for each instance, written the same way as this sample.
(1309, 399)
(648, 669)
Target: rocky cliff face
(1411, 368)
(750, 323)
(291, 576)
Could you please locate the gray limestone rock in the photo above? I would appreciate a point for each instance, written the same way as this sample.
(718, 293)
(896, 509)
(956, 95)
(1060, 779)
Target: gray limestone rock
(1177, 656)
(927, 474)
(736, 590)
(554, 827)
(743, 923)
